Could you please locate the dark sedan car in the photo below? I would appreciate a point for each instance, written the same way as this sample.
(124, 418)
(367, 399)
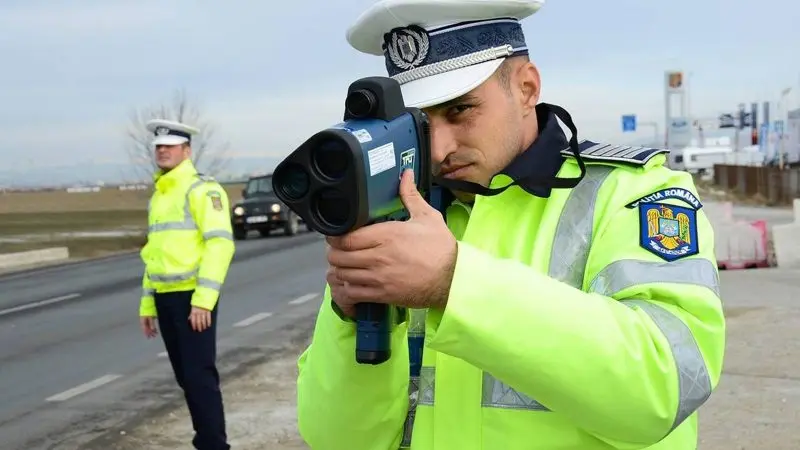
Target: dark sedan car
(260, 210)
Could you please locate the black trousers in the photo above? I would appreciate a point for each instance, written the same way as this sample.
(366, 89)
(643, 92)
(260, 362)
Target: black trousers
(193, 357)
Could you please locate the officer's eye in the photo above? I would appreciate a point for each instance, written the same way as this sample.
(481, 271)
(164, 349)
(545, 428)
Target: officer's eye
(454, 111)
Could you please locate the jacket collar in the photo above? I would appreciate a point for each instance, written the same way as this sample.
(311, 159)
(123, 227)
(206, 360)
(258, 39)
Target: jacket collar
(543, 158)
(164, 180)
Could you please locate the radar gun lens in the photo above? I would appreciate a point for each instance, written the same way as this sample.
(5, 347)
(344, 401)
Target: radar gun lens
(331, 159)
(360, 103)
(332, 208)
(293, 182)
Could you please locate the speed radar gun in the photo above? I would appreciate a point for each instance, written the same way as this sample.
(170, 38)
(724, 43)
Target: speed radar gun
(348, 176)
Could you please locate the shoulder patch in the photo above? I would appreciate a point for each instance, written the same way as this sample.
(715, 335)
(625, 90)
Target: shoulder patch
(593, 151)
(668, 231)
(676, 193)
(216, 199)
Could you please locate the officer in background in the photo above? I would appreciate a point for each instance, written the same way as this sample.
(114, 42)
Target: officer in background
(569, 299)
(188, 252)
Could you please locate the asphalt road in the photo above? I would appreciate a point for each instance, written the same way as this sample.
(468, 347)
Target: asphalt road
(73, 356)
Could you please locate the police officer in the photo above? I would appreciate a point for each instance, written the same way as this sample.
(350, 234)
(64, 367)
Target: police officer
(189, 249)
(569, 299)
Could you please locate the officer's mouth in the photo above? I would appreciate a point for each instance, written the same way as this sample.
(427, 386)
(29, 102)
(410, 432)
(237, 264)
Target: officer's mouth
(455, 172)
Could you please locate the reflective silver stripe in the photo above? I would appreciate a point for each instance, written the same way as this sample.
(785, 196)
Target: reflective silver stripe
(218, 234)
(497, 394)
(188, 222)
(148, 292)
(624, 273)
(173, 278)
(420, 392)
(573, 237)
(166, 226)
(416, 329)
(568, 257)
(694, 383)
(408, 425)
(427, 391)
(208, 283)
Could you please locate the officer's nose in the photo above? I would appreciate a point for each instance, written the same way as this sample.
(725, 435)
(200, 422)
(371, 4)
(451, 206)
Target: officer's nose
(443, 140)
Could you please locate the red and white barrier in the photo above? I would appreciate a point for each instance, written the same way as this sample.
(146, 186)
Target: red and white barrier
(738, 244)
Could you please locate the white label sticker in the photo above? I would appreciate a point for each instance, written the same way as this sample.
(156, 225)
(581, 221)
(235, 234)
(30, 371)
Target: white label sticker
(381, 159)
(362, 135)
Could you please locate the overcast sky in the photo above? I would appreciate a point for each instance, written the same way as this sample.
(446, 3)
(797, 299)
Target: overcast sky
(269, 73)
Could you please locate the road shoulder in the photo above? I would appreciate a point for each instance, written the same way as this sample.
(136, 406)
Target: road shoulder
(258, 375)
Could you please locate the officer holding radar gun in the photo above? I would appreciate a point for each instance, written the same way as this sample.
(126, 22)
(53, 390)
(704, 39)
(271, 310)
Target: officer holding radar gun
(494, 281)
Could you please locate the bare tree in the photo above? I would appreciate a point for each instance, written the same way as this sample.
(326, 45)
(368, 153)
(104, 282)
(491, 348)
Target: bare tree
(208, 155)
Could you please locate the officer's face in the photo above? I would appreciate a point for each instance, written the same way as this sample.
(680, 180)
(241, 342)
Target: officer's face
(169, 156)
(476, 135)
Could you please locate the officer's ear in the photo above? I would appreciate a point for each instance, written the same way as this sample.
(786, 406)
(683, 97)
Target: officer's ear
(187, 150)
(528, 83)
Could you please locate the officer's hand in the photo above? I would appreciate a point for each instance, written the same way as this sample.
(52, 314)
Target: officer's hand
(401, 263)
(148, 325)
(200, 318)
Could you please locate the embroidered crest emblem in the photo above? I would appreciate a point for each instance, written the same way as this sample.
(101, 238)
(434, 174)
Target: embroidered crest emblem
(668, 231)
(408, 47)
(162, 131)
(216, 200)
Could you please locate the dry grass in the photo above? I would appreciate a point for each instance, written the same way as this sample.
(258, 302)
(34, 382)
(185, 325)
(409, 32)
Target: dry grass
(89, 224)
(104, 200)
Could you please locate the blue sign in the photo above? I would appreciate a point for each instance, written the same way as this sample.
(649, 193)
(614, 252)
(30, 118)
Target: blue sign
(763, 137)
(628, 123)
(778, 127)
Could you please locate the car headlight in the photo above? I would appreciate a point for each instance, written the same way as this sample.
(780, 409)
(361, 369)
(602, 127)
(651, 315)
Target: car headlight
(276, 208)
(238, 211)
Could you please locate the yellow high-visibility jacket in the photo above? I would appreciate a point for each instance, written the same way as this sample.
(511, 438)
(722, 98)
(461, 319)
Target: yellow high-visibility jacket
(189, 241)
(588, 320)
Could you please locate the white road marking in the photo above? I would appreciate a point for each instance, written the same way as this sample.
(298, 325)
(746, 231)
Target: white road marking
(303, 299)
(83, 388)
(38, 304)
(162, 355)
(252, 319)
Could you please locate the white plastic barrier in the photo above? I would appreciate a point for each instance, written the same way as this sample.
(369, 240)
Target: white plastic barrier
(18, 259)
(786, 240)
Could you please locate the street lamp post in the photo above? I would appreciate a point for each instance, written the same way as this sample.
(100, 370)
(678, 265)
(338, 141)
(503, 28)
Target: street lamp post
(782, 111)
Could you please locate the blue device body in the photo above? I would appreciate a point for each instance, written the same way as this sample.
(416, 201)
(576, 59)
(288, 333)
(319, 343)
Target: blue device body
(387, 148)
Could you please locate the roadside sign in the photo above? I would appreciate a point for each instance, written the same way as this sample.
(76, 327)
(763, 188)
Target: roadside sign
(628, 123)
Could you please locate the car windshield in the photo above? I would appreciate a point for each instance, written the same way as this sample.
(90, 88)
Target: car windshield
(259, 186)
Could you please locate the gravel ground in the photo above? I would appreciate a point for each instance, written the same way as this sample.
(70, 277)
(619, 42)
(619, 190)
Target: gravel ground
(260, 408)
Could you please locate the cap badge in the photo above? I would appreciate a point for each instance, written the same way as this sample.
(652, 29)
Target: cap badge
(408, 47)
(162, 131)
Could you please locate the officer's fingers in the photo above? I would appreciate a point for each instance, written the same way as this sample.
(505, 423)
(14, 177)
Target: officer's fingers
(356, 293)
(360, 259)
(362, 238)
(410, 196)
(361, 277)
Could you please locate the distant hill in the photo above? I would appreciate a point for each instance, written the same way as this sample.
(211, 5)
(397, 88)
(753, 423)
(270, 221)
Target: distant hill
(92, 174)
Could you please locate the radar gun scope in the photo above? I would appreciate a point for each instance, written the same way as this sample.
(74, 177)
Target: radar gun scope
(348, 176)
